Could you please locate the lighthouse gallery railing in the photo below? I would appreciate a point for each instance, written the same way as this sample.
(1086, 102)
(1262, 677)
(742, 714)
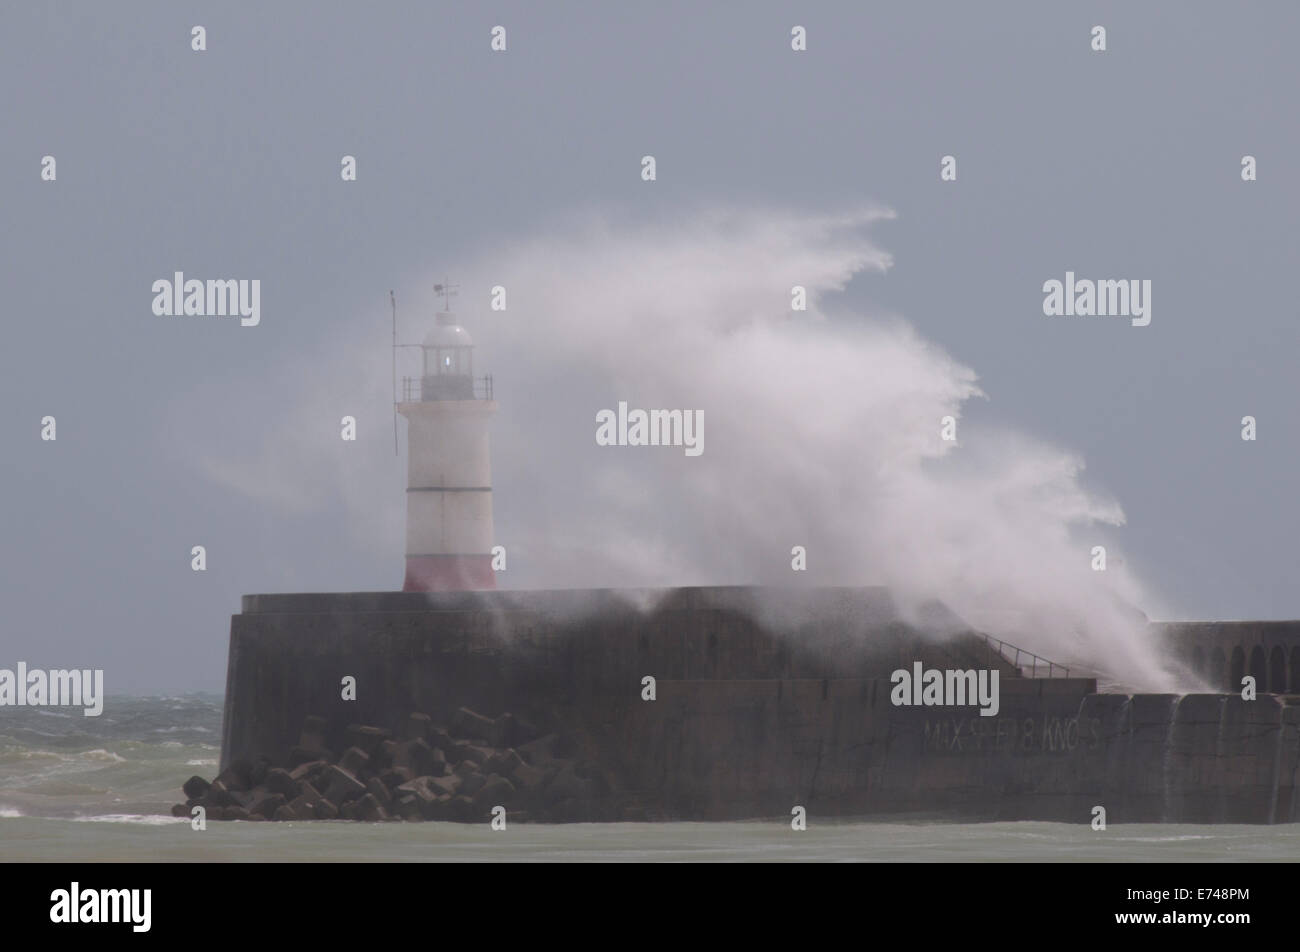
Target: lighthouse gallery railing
(446, 387)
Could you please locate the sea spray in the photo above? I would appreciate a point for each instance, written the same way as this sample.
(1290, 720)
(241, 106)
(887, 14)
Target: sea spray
(827, 428)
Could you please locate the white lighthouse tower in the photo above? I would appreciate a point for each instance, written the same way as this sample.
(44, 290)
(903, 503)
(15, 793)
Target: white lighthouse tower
(449, 470)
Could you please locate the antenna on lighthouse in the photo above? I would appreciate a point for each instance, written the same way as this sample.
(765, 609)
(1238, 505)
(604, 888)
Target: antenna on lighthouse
(393, 299)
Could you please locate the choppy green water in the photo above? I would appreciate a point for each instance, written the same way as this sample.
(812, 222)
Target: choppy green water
(80, 789)
(31, 838)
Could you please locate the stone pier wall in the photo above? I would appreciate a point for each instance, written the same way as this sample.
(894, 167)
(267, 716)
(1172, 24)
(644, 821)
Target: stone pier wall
(747, 722)
(545, 653)
(1054, 751)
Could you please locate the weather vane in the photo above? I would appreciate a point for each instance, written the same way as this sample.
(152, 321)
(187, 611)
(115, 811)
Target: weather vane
(448, 291)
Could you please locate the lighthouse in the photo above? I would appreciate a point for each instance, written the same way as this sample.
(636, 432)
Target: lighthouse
(449, 470)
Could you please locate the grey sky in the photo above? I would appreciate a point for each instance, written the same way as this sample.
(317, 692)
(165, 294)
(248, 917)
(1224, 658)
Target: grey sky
(226, 164)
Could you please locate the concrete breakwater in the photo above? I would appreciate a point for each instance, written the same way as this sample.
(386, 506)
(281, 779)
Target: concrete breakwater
(427, 772)
(762, 700)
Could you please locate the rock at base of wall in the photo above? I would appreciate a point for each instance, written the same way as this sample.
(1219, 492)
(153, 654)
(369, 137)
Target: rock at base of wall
(278, 780)
(431, 773)
(368, 809)
(267, 804)
(496, 791)
(196, 788)
(377, 790)
(354, 760)
(340, 786)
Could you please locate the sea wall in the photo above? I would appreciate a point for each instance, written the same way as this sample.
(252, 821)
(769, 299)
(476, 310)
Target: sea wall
(547, 653)
(1223, 652)
(757, 708)
(1054, 752)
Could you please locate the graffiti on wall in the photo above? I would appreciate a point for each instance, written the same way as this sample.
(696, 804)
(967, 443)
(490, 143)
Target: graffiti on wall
(1045, 734)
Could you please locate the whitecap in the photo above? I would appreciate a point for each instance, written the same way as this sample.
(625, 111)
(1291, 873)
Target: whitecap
(103, 755)
(40, 755)
(146, 820)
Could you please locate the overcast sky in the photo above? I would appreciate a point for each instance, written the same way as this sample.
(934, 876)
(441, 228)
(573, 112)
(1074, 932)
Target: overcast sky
(225, 163)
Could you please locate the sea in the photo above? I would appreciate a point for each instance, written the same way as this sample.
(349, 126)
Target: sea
(100, 789)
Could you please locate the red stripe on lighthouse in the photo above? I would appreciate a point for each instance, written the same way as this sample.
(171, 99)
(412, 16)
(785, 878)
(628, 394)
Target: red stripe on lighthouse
(448, 573)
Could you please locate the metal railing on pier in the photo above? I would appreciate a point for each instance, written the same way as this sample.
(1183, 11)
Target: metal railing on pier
(1025, 660)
